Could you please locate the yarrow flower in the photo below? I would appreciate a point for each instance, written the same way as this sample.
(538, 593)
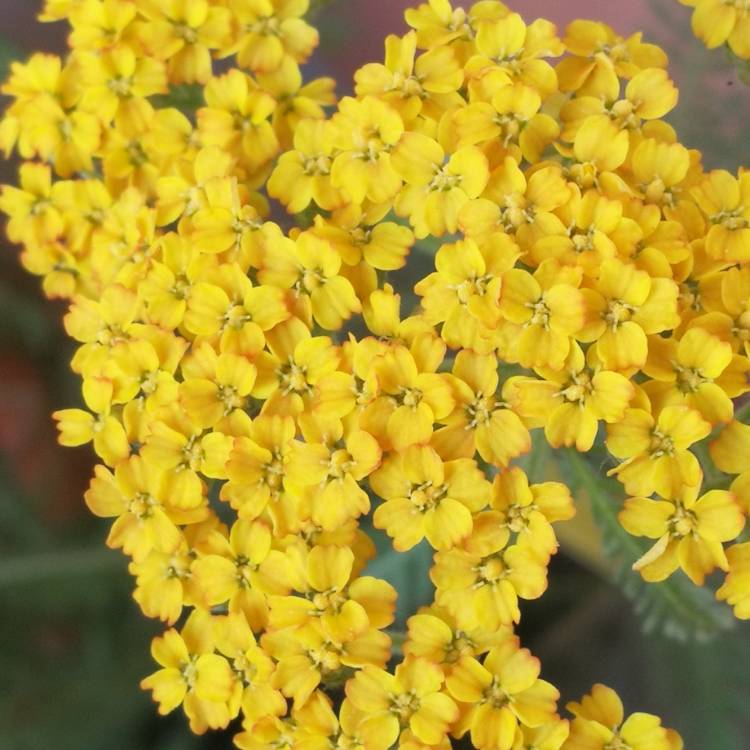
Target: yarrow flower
(299, 318)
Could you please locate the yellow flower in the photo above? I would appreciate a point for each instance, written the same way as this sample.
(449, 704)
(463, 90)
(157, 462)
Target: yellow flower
(599, 148)
(308, 657)
(599, 56)
(586, 240)
(725, 201)
(359, 234)
(78, 427)
(513, 117)
(548, 313)
(656, 449)
(252, 669)
(501, 692)
(303, 175)
(436, 636)
(549, 736)
(484, 580)
(234, 311)
(257, 466)
(242, 570)
(336, 464)
(410, 698)
(464, 291)
(164, 583)
(345, 605)
(517, 205)
(228, 222)
(427, 85)
(649, 95)
(425, 497)
(296, 100)
(517, 49)
(237, 119)
(698, 372)
(661, 170)
(319, 726)
(690, 531)
(531, 510)
(222, 389)
(436, 188)
(570, 402)
(192, 674)
(716, 22)
(624, 305)
(311, 268)
(34, 216)
(598, 724)
(98, 25)
(271, 30)
(184, 192)
(409, 403)
(365, 132)
(146, 504)
(117, 82)
(483, 421)
(729, 451)
(67, 139)
(184, 32)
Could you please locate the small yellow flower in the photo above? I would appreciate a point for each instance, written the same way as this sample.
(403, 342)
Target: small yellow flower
(436, 188)
(346, 606)
(715, 22)
(192, 674)
(690, 531)
(242, 570)
(501, 692)
(656, 449)
(598, 724)
(549, 316)
(624, 305)
(366, 132)
(184, 32)
(270, 31)
(483, 421)
(410, 698)
(425, 497)
(725, 201)
(410, 401)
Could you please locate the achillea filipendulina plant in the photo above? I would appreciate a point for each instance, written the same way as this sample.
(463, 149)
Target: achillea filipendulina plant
(260, 383)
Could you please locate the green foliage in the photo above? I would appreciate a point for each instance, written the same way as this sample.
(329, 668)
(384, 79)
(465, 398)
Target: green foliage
(186, 97)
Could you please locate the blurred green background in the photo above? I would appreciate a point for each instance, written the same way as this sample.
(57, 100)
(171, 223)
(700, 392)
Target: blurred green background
(73, 644)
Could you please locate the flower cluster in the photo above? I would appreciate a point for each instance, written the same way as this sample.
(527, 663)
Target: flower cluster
(261, 384)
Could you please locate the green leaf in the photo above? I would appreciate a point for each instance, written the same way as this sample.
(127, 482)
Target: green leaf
(676, 607)
(407, 572)
(186, 97)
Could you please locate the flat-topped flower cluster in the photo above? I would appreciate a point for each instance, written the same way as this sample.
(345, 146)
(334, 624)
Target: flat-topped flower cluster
(261, 384)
